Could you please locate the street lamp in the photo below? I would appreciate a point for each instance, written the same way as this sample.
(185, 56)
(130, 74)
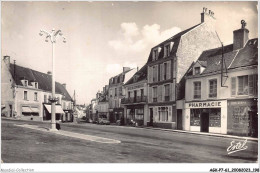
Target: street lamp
(53, 37)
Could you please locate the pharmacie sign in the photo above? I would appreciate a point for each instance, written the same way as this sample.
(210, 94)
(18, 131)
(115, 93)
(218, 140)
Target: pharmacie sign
(211, 104)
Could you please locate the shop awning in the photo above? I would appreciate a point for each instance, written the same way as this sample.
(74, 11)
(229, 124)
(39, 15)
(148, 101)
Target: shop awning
(35, 110)
(58, 109)
(26, 109)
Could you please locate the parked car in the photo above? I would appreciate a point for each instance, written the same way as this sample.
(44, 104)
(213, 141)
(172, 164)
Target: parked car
(103, 121)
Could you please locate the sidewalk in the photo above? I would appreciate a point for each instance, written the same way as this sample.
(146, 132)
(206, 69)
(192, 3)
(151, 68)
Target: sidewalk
(150, 128)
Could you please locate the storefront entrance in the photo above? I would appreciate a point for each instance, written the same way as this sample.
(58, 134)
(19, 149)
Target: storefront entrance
(179, 119)
(204, 119)
(151, 117)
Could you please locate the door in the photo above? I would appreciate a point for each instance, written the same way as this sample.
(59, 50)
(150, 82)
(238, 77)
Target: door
(179, 119)
(151, 117)
(11, 110)
(253, 124)
(204, 120)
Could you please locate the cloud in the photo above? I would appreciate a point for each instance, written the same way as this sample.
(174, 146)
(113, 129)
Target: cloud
(133, 40)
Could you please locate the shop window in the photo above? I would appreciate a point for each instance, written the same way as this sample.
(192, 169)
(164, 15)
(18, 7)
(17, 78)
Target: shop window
(25, 96)
(154, 94)
(197, 90)
(215, 117)
(195, 117)
(213, 88)
(163, 113)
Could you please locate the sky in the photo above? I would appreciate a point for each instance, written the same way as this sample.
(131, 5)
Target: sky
(104, 37)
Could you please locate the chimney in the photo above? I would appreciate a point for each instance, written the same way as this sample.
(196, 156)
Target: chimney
(207, 16)
(49, 72)
(137, 69)
(7, 60)
(64, 85)
(240, 36)
(125, 69)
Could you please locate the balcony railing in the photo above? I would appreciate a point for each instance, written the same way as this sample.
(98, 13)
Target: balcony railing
(138, 99)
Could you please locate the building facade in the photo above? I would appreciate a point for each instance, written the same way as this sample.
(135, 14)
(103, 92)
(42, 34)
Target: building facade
(117, 93)
(135, 100)
(31, 91)
(167, 66)
(221, 91)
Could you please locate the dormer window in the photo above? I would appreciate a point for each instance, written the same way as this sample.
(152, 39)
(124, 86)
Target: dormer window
(156, 52)
(36, 84)
(26, 83)
(167, 50)
(197, 70)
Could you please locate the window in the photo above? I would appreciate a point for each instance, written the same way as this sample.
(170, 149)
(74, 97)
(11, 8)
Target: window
(35, 96)
(197, 70)
(26, 83)
(25, 95)
(155, 54)
(165, 71)
(154, 94)
(45, 98)
(154, 74)
(167, 92)
(163, 113)
(120, 91)
(167, 50)
(115, 92)
(142, 93)
(197, 90)
(36, 84)
(213, 88)
(110, 92)
(129, 94)
(242, 85)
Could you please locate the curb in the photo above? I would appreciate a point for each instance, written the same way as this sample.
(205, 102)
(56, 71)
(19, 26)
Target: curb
(154, 128)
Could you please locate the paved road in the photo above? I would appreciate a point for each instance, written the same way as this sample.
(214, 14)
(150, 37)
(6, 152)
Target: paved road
(138, 145)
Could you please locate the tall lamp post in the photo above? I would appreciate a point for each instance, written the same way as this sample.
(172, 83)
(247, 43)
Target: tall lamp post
(53, 37)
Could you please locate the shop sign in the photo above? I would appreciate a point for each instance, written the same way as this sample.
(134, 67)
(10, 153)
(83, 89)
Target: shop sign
(204, 104)
(136, 86)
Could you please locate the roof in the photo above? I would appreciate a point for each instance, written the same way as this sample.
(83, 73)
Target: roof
(176, 39)
(141, 75)
(246, 56)
(44, 80)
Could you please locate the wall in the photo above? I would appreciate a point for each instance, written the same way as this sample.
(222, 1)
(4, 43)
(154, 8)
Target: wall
(192, 44)
(222, 92)
(7, 92)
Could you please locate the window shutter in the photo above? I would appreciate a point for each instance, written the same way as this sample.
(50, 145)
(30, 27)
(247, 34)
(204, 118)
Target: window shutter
(160, 93)
(161, 72)
(168, 73)
(150, 94)
(163, 92)
(164, 53)
(233, 86)
(156, 72)
(150, 74)
(251, 85)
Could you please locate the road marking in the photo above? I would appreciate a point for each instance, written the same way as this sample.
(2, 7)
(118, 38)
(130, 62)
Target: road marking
(72, 134)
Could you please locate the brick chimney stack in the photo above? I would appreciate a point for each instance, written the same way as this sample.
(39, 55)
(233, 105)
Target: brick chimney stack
(240, 36)
(49, 72)
(208, 16)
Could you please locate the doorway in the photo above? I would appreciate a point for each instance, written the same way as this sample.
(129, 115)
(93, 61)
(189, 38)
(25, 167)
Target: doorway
(11, 110)
(204, 119)
(179, 119)
(151, 117)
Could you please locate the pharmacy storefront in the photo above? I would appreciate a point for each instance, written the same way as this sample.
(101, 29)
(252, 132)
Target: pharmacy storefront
(208, 116)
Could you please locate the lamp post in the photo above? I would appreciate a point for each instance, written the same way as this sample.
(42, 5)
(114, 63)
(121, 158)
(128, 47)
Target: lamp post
(53, 37)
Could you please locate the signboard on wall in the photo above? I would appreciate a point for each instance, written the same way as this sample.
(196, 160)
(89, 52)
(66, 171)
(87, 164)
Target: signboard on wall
(209, 104)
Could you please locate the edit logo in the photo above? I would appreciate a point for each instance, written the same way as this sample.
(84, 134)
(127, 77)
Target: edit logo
(234, 147)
